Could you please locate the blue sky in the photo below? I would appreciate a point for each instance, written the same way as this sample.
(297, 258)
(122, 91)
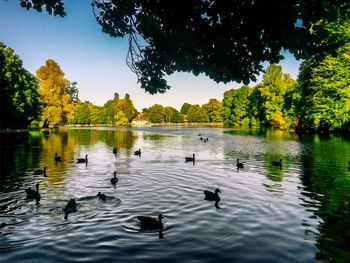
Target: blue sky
(96, 61)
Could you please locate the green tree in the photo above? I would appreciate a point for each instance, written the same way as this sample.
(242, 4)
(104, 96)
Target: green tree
(57, 105)
(184, 108)
(177, 116)
(19, 104)
(168, 114)
(272, 91)
(197, 114)
(235, 107)
(156, 113)
(255, 112)
(327, 94)
(121, 119)
(126, 106)
(81, 113)
(95, 114)
(107, 113)
(214, 110)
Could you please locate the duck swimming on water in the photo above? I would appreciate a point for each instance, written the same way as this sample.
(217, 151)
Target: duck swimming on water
(40, 172)
(71, 207)
(277, 163)
(138, 152)
(212, 196)
(114, 180)
(83, 160)
(190, 159)
(33, 194)
(239, 165)
(149, 222)
(102, 196)
(57, 158)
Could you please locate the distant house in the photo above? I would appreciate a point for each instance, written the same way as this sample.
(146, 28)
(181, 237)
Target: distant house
(141, 119)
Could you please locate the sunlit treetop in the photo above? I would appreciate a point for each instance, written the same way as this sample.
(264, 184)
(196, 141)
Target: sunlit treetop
(225, 39)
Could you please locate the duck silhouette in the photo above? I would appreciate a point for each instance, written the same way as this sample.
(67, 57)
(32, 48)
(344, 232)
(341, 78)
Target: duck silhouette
(114, 180)
(57, 158)
(190, 159)
(277, 163)
(102, 196)
(40, 172)
(114, 150)
(150, 222)
(239, 165)
(83, 160)
(138, 152)
(212, 196)
(71, 207)
(33, 194)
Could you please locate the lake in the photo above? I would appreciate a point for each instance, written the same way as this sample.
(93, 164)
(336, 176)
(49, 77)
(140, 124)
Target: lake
(299, 212)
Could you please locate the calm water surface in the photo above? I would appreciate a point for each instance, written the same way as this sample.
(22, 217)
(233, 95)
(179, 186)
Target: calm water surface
(299, 213)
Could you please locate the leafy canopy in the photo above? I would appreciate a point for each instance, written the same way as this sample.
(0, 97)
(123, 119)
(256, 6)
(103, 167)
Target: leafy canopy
(19, 104)
(226, 40)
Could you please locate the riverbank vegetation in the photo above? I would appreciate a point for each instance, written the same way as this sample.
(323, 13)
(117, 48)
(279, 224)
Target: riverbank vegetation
(319, 100)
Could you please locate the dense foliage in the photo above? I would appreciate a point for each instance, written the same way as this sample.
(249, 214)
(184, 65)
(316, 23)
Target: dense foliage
(261, 106)
(116, 112)
(226, 40)
(57, 103)
(326, 97)
(19, 104)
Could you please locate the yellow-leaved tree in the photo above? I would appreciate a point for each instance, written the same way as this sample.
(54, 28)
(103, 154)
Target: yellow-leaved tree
(57, 105)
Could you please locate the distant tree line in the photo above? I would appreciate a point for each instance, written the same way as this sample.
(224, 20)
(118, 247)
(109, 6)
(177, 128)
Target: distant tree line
(318, 100)
(209, 112)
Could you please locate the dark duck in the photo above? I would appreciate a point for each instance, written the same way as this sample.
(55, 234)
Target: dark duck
(102, 196)
(239, 165)
(138, 152)
(212, 196)
(277, 163)
(57, 158)
(40, 172)
(190, 159)
(151, 223)
(33, 194)
(83, 160)
(114, 180)
(71, 207)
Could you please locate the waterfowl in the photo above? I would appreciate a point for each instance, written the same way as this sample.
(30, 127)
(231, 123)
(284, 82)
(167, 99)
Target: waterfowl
(102, 196)
(40, 172)
(149, 222)
(71, 207)
(138, 152)
(83, 160)
(190, 159)
(239, 165)
(33, 194)
(114, 180)
(114, 150)
(277, 163)
(212, 196)
(57, 158)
